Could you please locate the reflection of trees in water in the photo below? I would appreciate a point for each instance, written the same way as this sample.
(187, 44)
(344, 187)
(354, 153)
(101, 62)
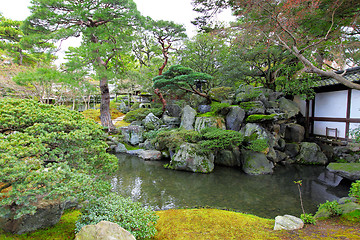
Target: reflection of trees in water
(264, 195)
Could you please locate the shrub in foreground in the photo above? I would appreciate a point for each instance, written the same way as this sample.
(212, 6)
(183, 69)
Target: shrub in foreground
(123, 211)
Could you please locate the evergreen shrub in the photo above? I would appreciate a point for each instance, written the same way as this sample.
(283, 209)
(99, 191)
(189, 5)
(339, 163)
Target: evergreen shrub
(123, 211)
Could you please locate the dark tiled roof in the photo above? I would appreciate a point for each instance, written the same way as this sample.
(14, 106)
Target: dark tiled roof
(352, 74)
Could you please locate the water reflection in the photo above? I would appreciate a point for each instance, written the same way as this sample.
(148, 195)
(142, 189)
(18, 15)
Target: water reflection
(264, 195)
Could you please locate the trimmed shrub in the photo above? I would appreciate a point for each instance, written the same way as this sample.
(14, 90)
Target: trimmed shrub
(217, 139)
(332, 207)
(123, 211)
(355, 190)
(141, 113)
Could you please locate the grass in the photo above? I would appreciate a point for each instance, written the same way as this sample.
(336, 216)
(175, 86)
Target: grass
(183, 224)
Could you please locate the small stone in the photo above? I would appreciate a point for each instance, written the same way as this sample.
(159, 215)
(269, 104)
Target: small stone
(288, 222)
(104, 230)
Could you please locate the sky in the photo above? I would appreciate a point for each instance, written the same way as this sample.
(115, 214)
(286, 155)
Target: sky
(179, 11)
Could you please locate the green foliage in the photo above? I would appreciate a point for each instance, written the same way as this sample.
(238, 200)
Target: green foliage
(258, 145)
(141, 113)
(247, 105)
(332, 207)
(123, 211)
(49, 152)
(216, 139)
(308, 218)
(260, 117)
(355, 190)
(355, 134)
(183, 78)
(220, 93)
(173, 139)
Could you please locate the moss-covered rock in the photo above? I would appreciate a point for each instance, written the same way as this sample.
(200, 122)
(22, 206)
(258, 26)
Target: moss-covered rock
(347, 170)
(255, 118)
(255, 163)
(191, 158)
(310, 153)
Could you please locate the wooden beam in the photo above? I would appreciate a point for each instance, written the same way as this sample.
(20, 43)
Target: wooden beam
(348, 108)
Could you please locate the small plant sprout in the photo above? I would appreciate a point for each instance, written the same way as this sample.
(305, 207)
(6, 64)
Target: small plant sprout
(306, 217)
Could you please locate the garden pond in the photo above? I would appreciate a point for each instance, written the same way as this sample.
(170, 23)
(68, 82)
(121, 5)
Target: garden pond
(227, 188)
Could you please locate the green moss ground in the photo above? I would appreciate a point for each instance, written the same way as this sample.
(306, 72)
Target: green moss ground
(182, 224)
(349, 167)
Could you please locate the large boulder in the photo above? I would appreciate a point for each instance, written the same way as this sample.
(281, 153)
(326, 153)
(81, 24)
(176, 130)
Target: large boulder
(235, 118)
(255, 163)
(104, 230)
(188, 118)
(150, 155)
(228, 158)
(310, 153)
(346, 170)
(204, 108)
(257, 108)
(48, 213)
(152, 122)
(255, 131)
(288, 222)
(171, 122)
(190, 158)
(292, 149)
(289, 107)
(294, 132)
(120, 148)
(173, 110)
(133, 134)
(205, 122)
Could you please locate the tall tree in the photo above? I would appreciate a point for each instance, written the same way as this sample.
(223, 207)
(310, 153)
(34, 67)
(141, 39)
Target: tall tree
(303, 27)
(105, 26)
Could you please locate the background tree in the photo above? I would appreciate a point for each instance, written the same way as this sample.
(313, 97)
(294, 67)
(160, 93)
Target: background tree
(306, 28)
(204, 53)
(22, 48)
(106, 28)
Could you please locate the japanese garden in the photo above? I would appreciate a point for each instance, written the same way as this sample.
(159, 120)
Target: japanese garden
(244, 129)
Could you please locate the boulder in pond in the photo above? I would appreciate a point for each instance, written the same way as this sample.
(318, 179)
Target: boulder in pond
(292, 149)
(255, 163)
(188, 118)
(205, 122)
(150, 155)
(288, 222)
(228, 158)
(103, 230)
(235, 118)
(190, 158)
(48, 214)
(120, 148)
(349, 171)
(133, 134)
(310, 153)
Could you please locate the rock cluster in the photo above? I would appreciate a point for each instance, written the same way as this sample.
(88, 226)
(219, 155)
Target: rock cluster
(259, 114)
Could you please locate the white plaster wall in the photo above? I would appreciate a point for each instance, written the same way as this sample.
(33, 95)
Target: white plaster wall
(355, 104)
(320, 128)
(331, 104)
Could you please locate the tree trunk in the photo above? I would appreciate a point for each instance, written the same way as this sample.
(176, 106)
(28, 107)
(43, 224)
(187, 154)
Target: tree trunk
(105, 116)
(161, 98)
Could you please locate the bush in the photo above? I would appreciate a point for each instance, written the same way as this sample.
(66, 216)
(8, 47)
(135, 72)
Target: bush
(355, 134)
(220, 93)
(49, 152)
(308, 218)
(218, 107)
(123, 211)
(355, 190)
(332, 207)
(141, 113)
(217, 139)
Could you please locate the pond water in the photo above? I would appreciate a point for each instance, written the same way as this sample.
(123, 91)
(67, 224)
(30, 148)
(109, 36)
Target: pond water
(227, 188)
